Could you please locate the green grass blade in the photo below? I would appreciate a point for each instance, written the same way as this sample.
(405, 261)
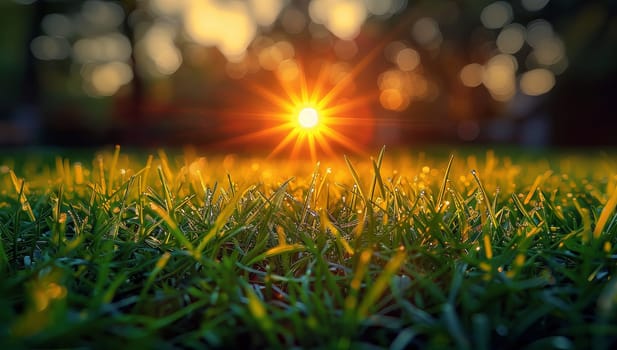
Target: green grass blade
(381, 283)
(278, 250)
(158, 267)
(486, 200)
(259, 312)
(377, 176)
(221, 220)
(444, 183)
(173, 228)
(20, 187)
(356, 178)
(607, 211)
(112, 170)
(328, 226)
(455, 329)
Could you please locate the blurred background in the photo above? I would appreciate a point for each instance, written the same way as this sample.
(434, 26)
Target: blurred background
(173, 72)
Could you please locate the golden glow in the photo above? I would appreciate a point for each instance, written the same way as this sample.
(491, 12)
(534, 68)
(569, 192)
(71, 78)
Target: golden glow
(308, 118)
(313, 115)
(314, 111)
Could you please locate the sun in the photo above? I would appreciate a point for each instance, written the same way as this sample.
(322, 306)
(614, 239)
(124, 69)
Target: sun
(312, 115)
(308, 118)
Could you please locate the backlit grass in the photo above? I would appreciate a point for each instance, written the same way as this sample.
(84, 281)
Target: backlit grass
(397, 251)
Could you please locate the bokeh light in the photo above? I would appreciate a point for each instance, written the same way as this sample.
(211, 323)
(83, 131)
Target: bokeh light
(471, 75)
(101, 15)
(538, 32)
(407, 59)
(226, 25)
(534, 5)
(544, 56)
(288, 70)
(265, 12)
(379, 7)
(271, 54)
(392, 49)
(496, 15)
(237, 69)
(55, 24)
(511, 38)
(46, 48)
(537, 81)
(328, 13)
(106, 79)
(293, 20)
(166, 7)
(549, 51)
(426, 32)
(157, 52)
(109, 47)
(393, 99)
(499, 77)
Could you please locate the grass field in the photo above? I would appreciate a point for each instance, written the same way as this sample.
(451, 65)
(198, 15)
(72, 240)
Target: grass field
(483, 250)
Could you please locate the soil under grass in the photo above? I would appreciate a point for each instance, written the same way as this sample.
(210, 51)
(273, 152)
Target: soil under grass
(481, 250)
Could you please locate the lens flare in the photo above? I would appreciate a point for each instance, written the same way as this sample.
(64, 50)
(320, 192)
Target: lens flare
(308, 118)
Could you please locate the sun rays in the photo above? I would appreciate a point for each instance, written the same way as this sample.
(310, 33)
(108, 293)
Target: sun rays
(311, 117)
(313, 114)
